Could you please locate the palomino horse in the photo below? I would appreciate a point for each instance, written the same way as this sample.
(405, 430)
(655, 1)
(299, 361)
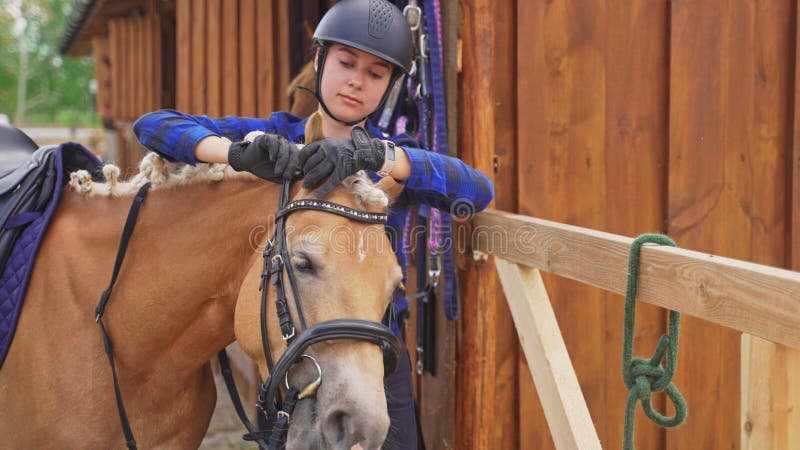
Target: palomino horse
(173, 309)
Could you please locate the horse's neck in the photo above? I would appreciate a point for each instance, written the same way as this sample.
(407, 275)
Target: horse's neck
(177, 288)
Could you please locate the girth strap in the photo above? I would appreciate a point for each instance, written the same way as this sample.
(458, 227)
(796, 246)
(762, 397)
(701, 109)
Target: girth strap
(127, 232)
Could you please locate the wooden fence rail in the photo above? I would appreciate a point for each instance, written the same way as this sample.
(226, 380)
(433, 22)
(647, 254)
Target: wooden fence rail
(756, 299)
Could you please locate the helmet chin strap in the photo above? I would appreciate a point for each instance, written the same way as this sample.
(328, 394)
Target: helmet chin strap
(323, 55)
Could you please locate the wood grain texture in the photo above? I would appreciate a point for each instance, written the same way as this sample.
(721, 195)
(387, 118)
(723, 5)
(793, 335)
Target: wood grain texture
(213, 73)
(247, 58)
(102, 72)
(770, 391)
(636, 56)
(230, 58)
(729, 127)
(136, 51)
(283, 65)
(770, 417)
(198, 44)
(156, 96)
(146, 64)
(508, 353)
(744, 296)
(476, 377)
(183, 54)
(592, 106)
(143, 69)
(124, 65)
(565, 408)
(149, 38)
(265, 61)
(794, 204)
(130, 69)
(113, 62)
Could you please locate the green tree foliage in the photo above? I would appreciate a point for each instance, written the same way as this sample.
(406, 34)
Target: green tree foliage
(37, 84)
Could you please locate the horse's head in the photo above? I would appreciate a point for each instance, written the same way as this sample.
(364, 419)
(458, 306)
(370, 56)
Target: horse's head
(343, 268)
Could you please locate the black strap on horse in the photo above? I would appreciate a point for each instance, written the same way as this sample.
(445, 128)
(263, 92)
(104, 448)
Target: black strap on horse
(127, 232)
(276, 410)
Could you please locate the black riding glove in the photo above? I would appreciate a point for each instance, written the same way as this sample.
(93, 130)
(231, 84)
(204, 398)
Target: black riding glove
(269, 156)
(338, 158)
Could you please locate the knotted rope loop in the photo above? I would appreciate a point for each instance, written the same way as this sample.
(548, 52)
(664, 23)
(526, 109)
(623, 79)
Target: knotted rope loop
(643, 376)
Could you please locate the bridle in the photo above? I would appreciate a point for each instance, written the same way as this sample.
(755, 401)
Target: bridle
(277, 410)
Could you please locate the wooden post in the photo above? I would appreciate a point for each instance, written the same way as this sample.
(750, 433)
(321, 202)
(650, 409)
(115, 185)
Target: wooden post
(475, 378)
(770, 386)
(770, 393)
(559, 392)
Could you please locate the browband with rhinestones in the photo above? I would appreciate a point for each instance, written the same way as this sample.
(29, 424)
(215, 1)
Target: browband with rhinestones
(333, 208)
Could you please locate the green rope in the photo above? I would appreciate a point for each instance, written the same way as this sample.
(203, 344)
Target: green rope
(643, 376)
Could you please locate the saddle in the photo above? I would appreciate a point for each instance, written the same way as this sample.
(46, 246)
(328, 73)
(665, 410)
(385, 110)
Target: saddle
(28, 198)
(24, 192)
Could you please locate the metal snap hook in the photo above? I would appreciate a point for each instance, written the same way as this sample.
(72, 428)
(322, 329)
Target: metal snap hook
(413, 15)
(312, 387)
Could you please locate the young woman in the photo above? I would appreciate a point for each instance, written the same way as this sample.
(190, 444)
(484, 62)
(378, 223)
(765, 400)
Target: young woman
(361, 48)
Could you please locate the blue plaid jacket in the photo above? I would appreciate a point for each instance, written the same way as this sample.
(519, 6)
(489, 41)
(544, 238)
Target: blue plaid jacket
(438, 181)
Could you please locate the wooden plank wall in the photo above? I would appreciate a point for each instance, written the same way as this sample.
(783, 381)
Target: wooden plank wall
(135, 60)
(135, 78)
(102, 73)
(730, 141)
(592, 99)
(640, 116)
(228, 61)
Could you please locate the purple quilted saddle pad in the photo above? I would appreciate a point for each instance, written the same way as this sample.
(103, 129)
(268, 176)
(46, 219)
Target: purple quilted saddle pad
(67, 157)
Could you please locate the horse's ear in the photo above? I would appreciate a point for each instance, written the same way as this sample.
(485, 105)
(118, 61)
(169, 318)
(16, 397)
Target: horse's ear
(391, 188)
(314, 128)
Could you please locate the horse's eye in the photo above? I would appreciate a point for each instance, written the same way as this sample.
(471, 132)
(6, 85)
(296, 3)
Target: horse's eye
(302, 264)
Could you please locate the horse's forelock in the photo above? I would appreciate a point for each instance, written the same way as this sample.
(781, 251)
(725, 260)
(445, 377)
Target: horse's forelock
(363, 190)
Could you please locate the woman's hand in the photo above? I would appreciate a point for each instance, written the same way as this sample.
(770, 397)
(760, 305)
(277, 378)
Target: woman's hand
(268, 156)
(339, 158)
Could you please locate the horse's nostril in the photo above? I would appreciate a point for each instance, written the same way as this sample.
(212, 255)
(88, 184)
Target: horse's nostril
(337, 429)
(346, 425)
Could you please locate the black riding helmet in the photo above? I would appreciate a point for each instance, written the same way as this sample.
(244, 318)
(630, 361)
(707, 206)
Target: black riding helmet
(373, 26)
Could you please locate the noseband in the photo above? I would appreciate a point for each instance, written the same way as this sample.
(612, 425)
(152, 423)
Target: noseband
(277, 411)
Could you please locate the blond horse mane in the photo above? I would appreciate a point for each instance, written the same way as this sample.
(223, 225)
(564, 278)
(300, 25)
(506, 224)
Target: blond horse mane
(162, 174)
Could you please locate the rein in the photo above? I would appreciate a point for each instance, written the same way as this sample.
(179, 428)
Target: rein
(127, 232)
